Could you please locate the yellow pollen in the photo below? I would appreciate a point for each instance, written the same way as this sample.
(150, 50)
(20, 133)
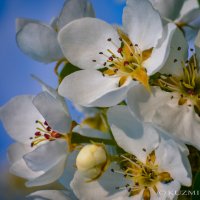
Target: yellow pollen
(127, 61)
(187, 84)
(143, 175)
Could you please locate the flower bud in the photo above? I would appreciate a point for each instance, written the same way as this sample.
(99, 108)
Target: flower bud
(92, 160)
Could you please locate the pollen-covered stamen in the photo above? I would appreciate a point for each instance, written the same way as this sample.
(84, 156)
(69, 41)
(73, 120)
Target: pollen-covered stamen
(126, 60)
(187, 84)
(143, 176)
(44, 133)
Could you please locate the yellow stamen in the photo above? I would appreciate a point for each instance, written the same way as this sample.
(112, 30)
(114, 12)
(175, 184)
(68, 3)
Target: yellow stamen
(146, 194)
(140, 75)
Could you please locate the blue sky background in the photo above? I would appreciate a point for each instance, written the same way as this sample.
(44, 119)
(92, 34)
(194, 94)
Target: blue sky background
(15, 67)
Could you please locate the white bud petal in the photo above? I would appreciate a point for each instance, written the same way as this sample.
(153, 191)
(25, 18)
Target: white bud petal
(91, 160)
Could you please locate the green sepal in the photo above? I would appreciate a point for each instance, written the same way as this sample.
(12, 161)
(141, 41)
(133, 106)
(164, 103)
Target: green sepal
(67, 70)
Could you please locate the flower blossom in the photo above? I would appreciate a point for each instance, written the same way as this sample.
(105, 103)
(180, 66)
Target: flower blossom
(112, 60)
(150, 165)
(39, 40)
(174, 103)
(41, 127)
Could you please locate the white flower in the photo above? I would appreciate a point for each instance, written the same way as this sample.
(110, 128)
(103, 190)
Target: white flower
(174, 103)
(40, 125)
(121, 56)
(184, 13)
(39, 40)
(152, 166)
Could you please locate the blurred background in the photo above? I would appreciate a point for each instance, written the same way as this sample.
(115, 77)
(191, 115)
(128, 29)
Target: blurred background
(15, 67)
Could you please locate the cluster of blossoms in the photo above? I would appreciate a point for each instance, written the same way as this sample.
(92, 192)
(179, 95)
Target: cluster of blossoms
(138, 88)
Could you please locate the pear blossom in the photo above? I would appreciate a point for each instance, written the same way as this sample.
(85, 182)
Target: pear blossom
(184, 13)
(113, 59)
(174, 102)
(39, 40)
(40, 125)
(151, 165)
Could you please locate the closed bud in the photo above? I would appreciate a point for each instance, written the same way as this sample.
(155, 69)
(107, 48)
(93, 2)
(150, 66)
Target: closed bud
(92, 160)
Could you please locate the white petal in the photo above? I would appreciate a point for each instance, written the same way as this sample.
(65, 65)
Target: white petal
(46, 155)
(69, 170)
(144, 105)
(49, 194)
(168, 136)
(169, 9)
(74, 9)
(104, 187)
(49, 176)
(142, 23)
(169, 191)
(166, 53)
(53, 92)
(169, 115)
(21, 22)
(19, 116)
(53, 112)
(16, 151)
(169, 159)
(140, 104)
(39, 41)
(178, 53)
(191, 16)
(87, 37)
(90, 88)
(130, 134)
(165, 112)
(18, 166)
(187, 7)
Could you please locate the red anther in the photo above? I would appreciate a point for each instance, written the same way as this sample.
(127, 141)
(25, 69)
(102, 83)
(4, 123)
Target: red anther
(126, 63)
(32, 144)
(119, 50)
(47, 136)
(48, 128)
(110, 58)
(45, 123)
(55, 134)
(37, 133)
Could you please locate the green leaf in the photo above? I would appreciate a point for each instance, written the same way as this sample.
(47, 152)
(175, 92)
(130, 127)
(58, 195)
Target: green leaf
(196, 187)
(67, 70)
(198, 1)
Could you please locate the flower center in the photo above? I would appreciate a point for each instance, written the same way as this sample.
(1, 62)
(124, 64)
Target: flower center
(126, 61)
(143, 176)
(187, 84)
(45, 133)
